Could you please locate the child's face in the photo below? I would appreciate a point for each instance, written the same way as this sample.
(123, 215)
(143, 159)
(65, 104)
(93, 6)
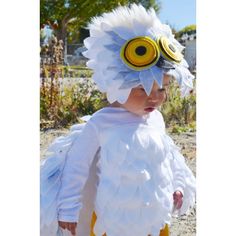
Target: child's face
(141, 104)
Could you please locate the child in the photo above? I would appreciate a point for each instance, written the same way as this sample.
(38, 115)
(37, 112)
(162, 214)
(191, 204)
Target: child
(120, 174)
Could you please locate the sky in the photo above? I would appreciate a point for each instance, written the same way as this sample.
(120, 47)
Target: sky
(178, 13)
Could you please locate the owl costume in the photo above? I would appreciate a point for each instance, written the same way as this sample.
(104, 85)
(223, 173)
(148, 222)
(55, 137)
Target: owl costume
(116, 174)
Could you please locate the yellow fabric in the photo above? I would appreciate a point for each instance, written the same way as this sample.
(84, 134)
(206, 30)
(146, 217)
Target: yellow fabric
(163, 232)
(140, 62)
(167, 52)
(143, 52)
(93, 220)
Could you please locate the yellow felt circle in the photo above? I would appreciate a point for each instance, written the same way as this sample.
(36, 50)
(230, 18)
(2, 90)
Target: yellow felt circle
(140, 53)
(169, 50)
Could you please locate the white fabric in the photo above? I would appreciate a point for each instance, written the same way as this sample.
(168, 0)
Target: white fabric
(138, 170)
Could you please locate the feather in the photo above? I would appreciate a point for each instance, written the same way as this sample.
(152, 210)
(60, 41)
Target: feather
(89, 42)
(122, 95)
(147, 79)
(113, 47)
(116, 38)
(158, 75)
(131, 80)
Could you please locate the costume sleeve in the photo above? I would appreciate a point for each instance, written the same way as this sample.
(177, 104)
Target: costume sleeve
(177, 163)
(75, 173)
(183, 178)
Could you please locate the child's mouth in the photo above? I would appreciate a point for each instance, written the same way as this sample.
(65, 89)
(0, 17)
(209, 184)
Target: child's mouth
(149, 109)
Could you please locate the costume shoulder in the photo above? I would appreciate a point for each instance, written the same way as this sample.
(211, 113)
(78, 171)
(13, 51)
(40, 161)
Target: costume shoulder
(159, 115)
(157, 120)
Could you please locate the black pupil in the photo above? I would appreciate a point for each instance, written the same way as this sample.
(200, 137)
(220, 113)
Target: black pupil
(171, 47)
(141, 50)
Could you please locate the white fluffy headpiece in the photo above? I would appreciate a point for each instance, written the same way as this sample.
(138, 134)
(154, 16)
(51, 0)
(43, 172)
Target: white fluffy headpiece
(109, 35)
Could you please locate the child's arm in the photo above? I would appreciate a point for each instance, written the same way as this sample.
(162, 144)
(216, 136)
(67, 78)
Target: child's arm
(75, 174)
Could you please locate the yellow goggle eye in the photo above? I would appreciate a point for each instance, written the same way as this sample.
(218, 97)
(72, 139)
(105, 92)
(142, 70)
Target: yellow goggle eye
(140, 53)
(169, 50)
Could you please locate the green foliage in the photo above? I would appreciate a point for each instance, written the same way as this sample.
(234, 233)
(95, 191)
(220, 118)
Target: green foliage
(179, 112)
(177, 129)
(148, 3)
(190, 29)
(77, 72)
(79, 97)
(67, 17)
(63, 97)
(74, 99)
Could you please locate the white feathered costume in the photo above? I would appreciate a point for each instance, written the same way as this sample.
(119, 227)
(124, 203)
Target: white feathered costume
(120, 165)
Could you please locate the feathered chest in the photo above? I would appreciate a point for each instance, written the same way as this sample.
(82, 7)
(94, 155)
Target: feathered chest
(133, 178)
(131, 147)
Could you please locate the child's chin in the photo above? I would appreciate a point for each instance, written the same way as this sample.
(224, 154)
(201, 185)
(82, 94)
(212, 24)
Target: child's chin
(143, 113)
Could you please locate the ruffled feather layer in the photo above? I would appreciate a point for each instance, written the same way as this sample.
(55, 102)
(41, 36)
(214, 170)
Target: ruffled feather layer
(134, 195)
